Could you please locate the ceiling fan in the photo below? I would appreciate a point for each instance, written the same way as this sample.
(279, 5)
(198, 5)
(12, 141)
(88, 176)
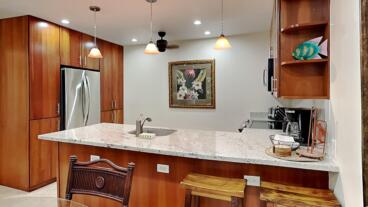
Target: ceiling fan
(162, 44)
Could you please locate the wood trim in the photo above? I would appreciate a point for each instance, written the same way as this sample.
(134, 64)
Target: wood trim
(364, 82)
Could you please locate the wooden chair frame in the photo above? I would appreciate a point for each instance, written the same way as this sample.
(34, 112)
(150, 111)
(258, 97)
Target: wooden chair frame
(91, 178)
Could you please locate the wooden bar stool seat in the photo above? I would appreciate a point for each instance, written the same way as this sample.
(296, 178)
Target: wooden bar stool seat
(219, 188)
(277, 195)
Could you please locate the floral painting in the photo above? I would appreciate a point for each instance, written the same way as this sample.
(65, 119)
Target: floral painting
(192, 84)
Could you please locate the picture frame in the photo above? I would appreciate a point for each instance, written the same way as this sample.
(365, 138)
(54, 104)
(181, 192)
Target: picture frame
(192, 84)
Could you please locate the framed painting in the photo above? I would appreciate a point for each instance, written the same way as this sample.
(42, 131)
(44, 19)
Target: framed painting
(192, 84)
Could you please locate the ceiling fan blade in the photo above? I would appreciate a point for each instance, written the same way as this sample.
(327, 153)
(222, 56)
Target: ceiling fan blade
(172, 47)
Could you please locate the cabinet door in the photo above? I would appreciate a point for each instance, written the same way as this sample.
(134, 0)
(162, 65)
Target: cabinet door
(14, 99)
(43, 154)
(119, 116)
(44, 66)
(118, 76)
(87, 45)
(70, 47)
(106, 76)
(107, 116)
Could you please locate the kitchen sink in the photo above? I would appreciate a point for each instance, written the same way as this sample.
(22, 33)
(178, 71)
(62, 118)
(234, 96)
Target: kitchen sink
(157, 131)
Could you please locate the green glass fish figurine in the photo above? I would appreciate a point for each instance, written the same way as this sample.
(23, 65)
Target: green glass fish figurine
(311, 49)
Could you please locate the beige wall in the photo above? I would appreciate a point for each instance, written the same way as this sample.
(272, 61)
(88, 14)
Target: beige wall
(239, 88)
(345, 103)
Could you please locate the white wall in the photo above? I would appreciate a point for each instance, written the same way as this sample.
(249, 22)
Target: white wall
(239, 88)
(345, 103)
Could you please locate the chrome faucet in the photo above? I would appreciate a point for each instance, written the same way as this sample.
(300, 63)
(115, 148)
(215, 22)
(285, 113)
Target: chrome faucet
(139, 125)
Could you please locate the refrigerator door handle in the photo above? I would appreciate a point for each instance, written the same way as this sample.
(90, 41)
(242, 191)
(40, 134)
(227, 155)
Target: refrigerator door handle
(89, 99)
(84, 94)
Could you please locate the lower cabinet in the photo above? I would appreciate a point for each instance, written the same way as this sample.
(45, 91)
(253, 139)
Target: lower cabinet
(43, 154)
(112, 116)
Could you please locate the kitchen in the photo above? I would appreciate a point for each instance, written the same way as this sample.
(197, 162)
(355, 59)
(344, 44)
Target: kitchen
(137, 83)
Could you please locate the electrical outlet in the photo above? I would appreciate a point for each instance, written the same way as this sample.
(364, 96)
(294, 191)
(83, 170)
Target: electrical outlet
(94, 157)
(253, 180)
(163, 168)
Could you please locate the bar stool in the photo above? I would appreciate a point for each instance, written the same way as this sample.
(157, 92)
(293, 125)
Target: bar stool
(277, 195)
(226, 189)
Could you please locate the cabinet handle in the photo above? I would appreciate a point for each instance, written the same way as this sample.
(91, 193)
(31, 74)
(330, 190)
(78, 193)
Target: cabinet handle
(85, 60)
(112, 104)
(80, 60)
(58, 125)
(113, 116)
(58, 108)
(275, 85)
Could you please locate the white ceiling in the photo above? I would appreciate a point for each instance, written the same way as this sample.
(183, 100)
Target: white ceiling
(121, 20)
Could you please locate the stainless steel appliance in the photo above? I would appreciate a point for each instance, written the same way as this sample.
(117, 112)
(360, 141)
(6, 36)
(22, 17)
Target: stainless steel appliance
(80, 98)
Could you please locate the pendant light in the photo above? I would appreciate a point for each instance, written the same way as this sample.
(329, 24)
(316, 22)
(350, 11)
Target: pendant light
(95, 52)
(222, 42)
(151, 48)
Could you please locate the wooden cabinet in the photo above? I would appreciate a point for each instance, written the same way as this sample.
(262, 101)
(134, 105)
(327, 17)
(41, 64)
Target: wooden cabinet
(32, 52)
(74, 50)
(43, 154)
(112, 116)
(118, 76)
(70, 47)
(14, 98)
(300, 21)
(87, 44)
(106, 76)
(29, 95)
(44, 68)
(112, 75)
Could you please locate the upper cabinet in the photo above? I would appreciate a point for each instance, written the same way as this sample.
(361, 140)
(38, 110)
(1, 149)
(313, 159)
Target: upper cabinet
(298, 22)
(70, 47)
(44, 67)
(74, 49)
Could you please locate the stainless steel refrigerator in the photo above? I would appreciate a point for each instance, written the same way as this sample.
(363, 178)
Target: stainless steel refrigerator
(80, 98)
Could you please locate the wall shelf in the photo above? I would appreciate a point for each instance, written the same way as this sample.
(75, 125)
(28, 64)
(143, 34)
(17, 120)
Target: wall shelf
(303, 26)
(294, 62)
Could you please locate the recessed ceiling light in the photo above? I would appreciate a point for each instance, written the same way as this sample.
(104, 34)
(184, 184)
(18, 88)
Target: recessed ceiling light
(197, 22)
(65, 21)
(134, 40)
(207, 32)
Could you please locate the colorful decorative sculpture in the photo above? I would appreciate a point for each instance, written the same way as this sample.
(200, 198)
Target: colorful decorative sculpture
(311, 49)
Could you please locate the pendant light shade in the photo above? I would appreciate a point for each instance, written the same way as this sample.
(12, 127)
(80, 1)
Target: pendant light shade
(222, 42)
(151, 48)
(95, 52)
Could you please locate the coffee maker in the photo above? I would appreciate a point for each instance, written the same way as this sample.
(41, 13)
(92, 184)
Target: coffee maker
(294, 122)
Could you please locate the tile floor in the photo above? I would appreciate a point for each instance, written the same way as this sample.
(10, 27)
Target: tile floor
(47, 191)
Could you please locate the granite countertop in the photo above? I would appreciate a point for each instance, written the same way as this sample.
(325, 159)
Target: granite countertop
(247, 147)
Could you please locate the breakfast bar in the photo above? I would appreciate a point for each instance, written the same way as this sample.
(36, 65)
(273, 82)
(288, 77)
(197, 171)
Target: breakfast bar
(218, 153)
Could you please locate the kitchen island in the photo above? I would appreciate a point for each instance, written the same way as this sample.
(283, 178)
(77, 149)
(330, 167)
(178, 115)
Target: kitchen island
(227, 154)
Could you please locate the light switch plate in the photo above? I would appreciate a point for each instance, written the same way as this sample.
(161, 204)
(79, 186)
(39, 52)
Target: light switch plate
(94, 157)
(161, 168)
(253, 180)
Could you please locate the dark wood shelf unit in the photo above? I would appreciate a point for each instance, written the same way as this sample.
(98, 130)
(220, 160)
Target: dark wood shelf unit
(293, 62)
(300, 21)
(303, 26)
